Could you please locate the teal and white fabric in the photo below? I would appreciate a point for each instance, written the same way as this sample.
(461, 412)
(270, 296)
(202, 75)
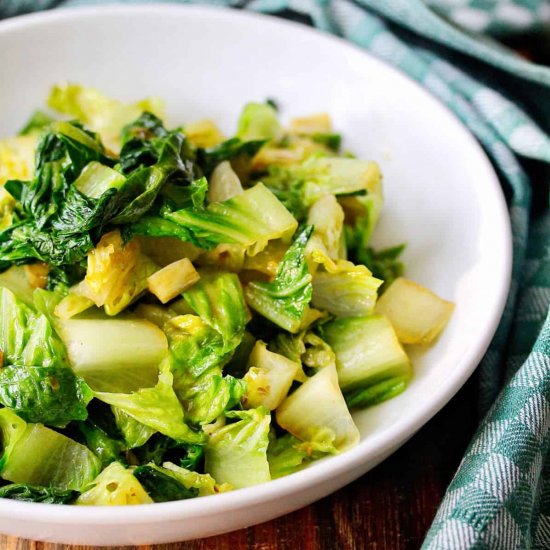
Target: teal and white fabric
(500, 496)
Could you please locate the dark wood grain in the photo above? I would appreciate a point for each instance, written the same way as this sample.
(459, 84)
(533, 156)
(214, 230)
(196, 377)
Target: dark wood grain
(390, 508)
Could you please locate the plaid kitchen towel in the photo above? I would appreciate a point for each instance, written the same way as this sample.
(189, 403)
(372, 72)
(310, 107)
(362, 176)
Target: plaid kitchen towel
(500, 496)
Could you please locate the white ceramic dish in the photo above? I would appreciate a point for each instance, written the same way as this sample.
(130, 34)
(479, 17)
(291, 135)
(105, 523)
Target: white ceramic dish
(443, 198)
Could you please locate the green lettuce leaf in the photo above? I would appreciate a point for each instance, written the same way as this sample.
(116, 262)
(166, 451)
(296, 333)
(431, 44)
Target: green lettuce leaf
(156, 407)
(37, 122)
(161, 449)
(381, 391)
(162, 485)
(258, 121)
(35, 493)
(197, 357)
(135, 433)
(345, 294)
(237, 453)
(57, 217)
(239, 220)
(36, 381)
(384, 264)
(105, 447)
(284, 301)
(114, 486)
(38, 455)
(321, 175)
(367, 353)
(205, 484)
(233, 149)
(102, 114)
(217, 298)
(50, 395)
(287, 454)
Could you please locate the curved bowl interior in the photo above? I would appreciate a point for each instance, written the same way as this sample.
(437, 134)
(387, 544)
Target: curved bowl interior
(442, 198)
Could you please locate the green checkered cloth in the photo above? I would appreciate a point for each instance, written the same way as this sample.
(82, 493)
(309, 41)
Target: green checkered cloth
(500, 496)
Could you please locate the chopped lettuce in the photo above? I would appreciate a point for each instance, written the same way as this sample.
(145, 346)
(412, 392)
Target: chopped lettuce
(117, 273)
(237, 452)
(38, 455)
(205, 484)
(114, 355)
(287, 454)
(268, 378)
(135, 433)
(367, 353)
(327, 218)
(204, 133)
(15, 279)
(250, 219)
(17, 158)
(195, 346)
(102, 444)
(329, 423)
(224, 183)
(159, 449)
(417, 314)
(115, 486)
(234, 150)
(218, 300)
(172, 280)
(27, 337)
(35, 380)
(98, 112)
(284, 301)
(36, 493)
(384, 264)
(51, 395)
(96, 178)
(258, 121)
(345, 294)
(320, 175)
(157, 408)
(162, 485)
(197, 355)
(306, 349)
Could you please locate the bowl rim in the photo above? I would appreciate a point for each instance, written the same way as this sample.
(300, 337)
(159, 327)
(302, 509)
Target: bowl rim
(377, 445)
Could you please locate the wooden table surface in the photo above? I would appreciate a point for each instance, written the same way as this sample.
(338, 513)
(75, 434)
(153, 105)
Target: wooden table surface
(390, 508)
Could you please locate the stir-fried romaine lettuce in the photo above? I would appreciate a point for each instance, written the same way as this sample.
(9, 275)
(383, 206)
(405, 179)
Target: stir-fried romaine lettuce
(36, 493)
(284, 301)
(115, 486)
(288, 454)
(190, 312)
(218, 300)
(134, 433)
(368, 356)
(237, 452)
(197, 355)
(329, 423)
(99, 113)
(205, 484)
(35, 380)
(346, 293)
(258, 121)
(161, 484)
(268, 378)
(17, 158)
(250, 219)
(114, 355)
(156, 407)
(38, 455)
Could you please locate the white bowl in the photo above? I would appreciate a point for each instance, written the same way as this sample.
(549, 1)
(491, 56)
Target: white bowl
(443, 198)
